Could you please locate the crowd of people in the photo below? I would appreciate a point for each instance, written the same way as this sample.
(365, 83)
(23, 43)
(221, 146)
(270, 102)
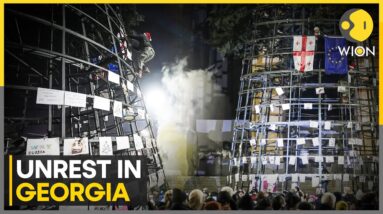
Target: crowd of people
(295, 199)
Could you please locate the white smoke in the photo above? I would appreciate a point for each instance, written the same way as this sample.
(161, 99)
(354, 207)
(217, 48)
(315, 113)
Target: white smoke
(186, 96)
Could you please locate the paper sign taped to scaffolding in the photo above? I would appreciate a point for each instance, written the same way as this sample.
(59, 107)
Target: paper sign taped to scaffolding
(314, 181)
(50, 96)
(138, 142)
(315, 141)
(301, 141)
(342, 89)
(271, 107)
(257, 109)
(294, 177)
(277, 160)
(101, 103)
(43, 146)
(117, 109)
(262, 142)
(292, 160)
(122, 143)
(313, 124)
(307, 105)
(130, 86)
(318, 159)
(305, 160)
(303, 53)
(286, 106)
(279, 91)
(75, 99)
(331, 142)
(76, 146)
(319, 90)
(113, 77)
(280, 142)
(329, 159)
(327, 125)
(105, 146)
(346, 177)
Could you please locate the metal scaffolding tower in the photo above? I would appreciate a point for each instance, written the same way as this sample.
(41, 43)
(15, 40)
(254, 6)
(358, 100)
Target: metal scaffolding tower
(74, 48)
(287, 134)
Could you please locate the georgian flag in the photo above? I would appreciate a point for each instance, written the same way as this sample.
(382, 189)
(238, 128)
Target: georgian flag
(303, 53)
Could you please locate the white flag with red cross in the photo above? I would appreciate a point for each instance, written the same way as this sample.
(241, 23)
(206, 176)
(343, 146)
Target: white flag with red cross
(303, 53)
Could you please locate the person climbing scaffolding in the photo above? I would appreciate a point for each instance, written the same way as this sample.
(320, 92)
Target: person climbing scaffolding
(143, 51)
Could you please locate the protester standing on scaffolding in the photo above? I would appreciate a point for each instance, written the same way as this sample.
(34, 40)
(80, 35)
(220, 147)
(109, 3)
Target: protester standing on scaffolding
(144, 51)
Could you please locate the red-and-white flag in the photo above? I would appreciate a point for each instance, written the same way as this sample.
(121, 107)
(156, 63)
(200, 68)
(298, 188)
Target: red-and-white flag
(303, 53)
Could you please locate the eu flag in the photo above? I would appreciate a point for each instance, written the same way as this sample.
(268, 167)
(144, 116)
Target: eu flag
(335, 63)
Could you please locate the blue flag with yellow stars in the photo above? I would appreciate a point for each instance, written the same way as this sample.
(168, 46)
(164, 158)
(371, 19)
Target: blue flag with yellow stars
(335, 63)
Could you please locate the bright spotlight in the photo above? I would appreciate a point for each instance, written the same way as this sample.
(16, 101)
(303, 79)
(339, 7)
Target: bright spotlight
(157, 103)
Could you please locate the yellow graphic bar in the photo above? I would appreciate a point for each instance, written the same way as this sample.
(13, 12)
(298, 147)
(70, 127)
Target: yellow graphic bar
(10, 181)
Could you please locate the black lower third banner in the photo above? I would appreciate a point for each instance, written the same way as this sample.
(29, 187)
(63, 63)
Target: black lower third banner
(81, 180)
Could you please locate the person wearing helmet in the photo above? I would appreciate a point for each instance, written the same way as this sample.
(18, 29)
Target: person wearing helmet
(144, 51)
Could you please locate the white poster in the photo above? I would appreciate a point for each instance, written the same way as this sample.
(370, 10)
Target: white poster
(105, 145)
(346, 177)
(318, 159)
(138, 142)
(342, 89)
(257, 109)
(314, 124)
(329, 159)
(292, 160)
(279, 91)
(340, 160)
(75, 99)
(305, 160)
(101, 103)
(117, 109)
(331, 142)
(285, 106)
(76, 146)
(277, 160)
(315, 141)
(307, 105)
(122, 143)
(130, 86)
(294, 177)
(314, 181)
(319, 90)
(113, 77)
(43, 146)
(301, 141)
(280, 142)
(327, 125)
(50, 96)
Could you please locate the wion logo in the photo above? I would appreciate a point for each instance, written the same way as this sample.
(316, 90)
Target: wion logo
(356, 25)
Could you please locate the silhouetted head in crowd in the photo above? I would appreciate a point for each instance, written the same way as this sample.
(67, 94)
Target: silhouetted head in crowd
(338, 196)
(225, 199)
(179, 200)
(212, 205)
(328, 201)
(341, 205)
(304, 205)
(196, 199)
(292, 201)
(278, 202)
(264, 204)
(245, 203)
